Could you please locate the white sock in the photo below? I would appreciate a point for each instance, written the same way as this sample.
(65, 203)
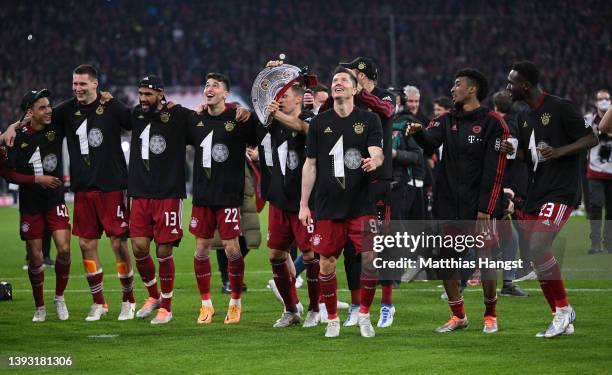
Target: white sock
(59, 298)
(235, 302)
(207, 302)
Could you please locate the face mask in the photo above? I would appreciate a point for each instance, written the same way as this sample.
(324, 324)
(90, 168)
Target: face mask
(603, 104)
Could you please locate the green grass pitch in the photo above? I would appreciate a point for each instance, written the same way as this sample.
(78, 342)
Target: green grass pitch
(254, 347)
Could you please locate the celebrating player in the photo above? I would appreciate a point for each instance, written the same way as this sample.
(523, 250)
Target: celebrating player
(288, 140)
(469, 183)
(157, 186)
(38, 152)
(343, 147)
(218, 183)
(554, 133)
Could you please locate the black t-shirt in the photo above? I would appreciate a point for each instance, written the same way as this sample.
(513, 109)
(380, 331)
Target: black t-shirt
(218, 171)
(266, 162)
(157, 153)
(288, 152)
(339, 145)
(93, 135)
(557, 122)
(38, 153)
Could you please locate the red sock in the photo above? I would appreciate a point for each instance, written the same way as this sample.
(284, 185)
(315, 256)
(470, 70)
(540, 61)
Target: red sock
(356, 297)
(490, 304)
(235, 271)
(146, 269)
(37, 279)
(96, 281)
(201, 266)
(548, 270)
(547, 293)
(368, 289)
(294, 295)
(329, 288)
(282, 280)
(166, 281)
(457, 308)
(62, 273)
(127, 286)
(312, 279)
(387, 294)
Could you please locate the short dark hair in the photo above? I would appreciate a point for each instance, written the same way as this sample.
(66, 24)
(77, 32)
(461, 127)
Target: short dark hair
(503, 101)
(444, 102)
(298, 89)
(528, 70)
(319, 87)
(341, 69)
(602, 90)
(221, 78)
(475, 78)
(86, 69)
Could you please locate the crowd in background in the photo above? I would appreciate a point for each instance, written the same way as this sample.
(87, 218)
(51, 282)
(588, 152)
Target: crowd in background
(181, 41)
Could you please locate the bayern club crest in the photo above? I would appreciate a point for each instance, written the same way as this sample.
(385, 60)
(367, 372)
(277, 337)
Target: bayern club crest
(157, 144)
(95, 137)
(219, 152)
(194, 222)
(352, 158)
(293, 160)
(49, 163)
(25, 227)
(316, 239)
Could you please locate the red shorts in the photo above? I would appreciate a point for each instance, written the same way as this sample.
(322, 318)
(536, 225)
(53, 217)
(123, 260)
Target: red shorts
(284, 228)
(98, 211)
(204, 221)
(330, 236)
(32, 226)
(160, 219)
(550, 218)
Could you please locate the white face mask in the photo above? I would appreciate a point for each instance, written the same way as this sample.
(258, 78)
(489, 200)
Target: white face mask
(603, 104)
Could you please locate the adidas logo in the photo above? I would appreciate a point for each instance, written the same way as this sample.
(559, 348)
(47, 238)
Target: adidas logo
(525, 124)
(200, 123)
(237, 227)
(174, 231)
(546, 222)
(77, 113)
(327, 130)
(387, 98)
(24, 145)
(123, 225)
(140, 117)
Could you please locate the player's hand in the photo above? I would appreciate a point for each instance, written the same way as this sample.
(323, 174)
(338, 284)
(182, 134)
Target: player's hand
(48, 182)
(274, 63)
(105, 97)
(272, 107)
(369, 164)
(242, 114)
(507, 148)
(170, 104)
(393, 153)
(483, 223)
(308, 100)
(252, 153)
(201, 108)
(413, 128)
(305, 216)
(549, 152)
(11, 132)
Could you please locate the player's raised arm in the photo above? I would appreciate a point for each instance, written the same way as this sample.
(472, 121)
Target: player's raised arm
(605, 125)
(431, 137)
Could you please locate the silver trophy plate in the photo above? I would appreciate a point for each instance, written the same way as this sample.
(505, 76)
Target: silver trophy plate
(269, 83)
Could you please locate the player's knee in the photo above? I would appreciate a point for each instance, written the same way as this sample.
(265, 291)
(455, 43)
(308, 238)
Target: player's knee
(277, 256)
(308, 255)
(87, 245)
